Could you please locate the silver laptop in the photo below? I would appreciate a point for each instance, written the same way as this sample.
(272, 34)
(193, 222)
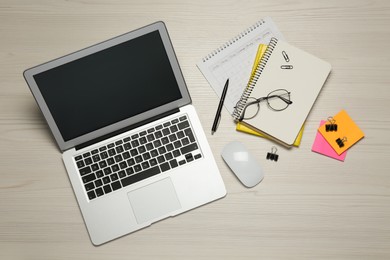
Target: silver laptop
(132, 143)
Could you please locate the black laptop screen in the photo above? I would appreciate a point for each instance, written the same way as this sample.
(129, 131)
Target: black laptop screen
(109, 86)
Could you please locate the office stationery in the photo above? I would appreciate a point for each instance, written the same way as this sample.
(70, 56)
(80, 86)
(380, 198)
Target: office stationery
(347, 135)
(331, 125)
(272, 155)
(242, 127)
(243, 164)
(321, 146)
(234, 60)
(340, 141)
(132, 144)
(301, 85)
(220, 105)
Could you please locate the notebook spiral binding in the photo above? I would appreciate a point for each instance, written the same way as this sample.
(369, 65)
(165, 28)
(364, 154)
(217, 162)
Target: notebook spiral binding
(233, 40)
(259, 69)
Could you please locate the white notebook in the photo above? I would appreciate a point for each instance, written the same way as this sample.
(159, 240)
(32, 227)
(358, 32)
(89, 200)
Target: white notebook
(284, 67)
(234, 60)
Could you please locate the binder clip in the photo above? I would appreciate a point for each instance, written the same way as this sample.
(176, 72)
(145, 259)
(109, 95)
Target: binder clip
(332, 126)
(272, 155)
(341, 142)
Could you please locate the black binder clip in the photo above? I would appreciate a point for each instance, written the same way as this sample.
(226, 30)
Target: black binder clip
(341, 142)
(272, 155)
(332, 126)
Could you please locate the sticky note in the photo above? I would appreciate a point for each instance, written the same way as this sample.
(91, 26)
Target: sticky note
(347, 134)
(321, 146)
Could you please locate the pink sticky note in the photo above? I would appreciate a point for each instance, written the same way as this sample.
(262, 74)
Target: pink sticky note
(321, 146)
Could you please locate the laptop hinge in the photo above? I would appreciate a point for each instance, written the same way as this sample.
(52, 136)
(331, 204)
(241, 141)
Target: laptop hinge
(125, 129)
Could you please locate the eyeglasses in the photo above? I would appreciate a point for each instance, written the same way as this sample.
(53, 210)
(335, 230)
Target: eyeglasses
(277, 100)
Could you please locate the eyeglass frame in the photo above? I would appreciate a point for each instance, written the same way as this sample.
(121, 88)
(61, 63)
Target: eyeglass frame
(258, 100)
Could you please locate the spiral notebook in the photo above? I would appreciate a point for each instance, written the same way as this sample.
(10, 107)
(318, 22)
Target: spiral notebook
(284, 66)
(234, 60)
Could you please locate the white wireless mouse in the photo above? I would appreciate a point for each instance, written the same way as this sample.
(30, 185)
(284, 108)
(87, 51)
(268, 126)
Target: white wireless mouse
(243, 164)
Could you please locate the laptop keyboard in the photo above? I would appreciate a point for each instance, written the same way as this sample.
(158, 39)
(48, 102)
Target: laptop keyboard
(137, 157)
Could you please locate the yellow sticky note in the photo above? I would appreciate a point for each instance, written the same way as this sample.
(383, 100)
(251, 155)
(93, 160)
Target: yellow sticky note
(242, 128)
(347, 134)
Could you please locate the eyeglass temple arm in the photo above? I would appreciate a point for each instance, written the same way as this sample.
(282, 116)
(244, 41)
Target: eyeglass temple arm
(288, 101)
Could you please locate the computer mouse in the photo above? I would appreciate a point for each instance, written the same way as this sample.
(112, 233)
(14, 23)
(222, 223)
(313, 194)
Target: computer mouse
(243, 164)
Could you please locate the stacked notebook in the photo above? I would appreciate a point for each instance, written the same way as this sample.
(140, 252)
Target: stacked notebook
(275, 64)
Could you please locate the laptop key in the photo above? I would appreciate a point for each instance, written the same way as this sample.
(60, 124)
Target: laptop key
(89, 186)
(134, 152)
(129, 171)
(189, 157)
(189, 148)
(114, 177)
(165, 167)
(145, 165)
(104, 155)
(137, 168)
(107, 188)
(96, 158)
(176, 153)
(106, 180)
(122, 174)
(127, 146)
(182, 162)
(80, 164)
(177, 144)
(98, 183)
(107, 171)
(166, 131)
(89, 177)
(95, 167)
(99, 174)
(143, 140)
(88, 161)
(190, 135)
(140, 176)
(91, 195)
(153, 162)
(116, 185)
(160, 159)
(183, 125)
(173, 163)
(99, 192)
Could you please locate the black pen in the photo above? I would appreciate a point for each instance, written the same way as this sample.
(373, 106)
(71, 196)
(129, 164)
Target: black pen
(218, 114)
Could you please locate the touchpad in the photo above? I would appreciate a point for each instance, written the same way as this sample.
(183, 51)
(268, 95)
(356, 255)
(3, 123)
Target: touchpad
(154, 200)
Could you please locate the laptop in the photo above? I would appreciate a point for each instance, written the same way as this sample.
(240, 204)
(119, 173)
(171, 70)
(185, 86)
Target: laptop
(131, 142)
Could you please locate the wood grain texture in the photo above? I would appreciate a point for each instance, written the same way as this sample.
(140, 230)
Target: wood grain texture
(307, 207)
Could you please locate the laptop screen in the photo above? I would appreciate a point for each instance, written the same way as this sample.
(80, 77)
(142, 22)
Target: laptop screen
(108, 86)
